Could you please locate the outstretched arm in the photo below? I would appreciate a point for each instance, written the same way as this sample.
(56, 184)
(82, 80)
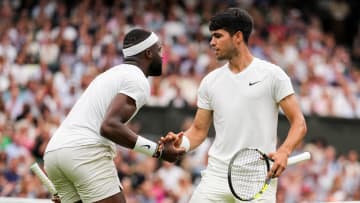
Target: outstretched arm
(295, 135)
(113, 128)
(199, 129)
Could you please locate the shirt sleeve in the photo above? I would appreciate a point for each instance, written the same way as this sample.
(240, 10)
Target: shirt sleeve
(133, 87)
(203, 100)
(282, 86)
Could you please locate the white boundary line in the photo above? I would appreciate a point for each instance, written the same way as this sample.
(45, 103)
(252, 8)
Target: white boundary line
(23, 200)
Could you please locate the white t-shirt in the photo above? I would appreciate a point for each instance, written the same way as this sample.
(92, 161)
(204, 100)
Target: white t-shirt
(245, 108)
(82, 124)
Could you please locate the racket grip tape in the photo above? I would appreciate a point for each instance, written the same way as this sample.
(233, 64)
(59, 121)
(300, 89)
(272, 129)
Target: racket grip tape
(298, 158)
(44, 179)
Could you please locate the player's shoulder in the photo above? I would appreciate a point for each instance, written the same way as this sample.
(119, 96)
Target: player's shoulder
(124, 70)
(216, 72)
(265, 65)
(116, 75)
(268, 68)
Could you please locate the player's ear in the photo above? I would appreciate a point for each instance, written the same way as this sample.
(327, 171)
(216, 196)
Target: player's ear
(239, 37)
(148, 53)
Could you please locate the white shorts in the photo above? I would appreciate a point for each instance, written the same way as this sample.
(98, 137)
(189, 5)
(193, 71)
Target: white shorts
(86, 172)
(213, 189)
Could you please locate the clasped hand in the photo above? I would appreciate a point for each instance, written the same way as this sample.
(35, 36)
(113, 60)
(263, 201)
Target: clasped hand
(171, 150)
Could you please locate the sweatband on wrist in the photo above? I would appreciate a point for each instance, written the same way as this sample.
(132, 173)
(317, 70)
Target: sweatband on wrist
(137, 48)
(185, 143)
(145, 146)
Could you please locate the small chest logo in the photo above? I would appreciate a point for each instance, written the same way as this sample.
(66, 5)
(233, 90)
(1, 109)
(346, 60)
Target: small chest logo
(253, 83)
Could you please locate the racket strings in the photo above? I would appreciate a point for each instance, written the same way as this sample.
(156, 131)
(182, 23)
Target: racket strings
(248, 174)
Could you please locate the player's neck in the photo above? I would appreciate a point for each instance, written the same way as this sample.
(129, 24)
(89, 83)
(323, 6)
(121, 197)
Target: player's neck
(241, 61)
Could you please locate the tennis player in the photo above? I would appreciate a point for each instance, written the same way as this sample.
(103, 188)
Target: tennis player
(242, 98)
(79, 156)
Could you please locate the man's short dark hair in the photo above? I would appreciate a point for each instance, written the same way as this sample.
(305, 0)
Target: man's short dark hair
(233, 20)
(135, 36)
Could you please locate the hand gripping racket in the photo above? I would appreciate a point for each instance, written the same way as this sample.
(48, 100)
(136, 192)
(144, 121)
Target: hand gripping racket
(44, 179)
(248, 170)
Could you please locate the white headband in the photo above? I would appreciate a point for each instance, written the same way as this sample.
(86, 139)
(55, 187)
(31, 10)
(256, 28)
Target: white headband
(137, 48)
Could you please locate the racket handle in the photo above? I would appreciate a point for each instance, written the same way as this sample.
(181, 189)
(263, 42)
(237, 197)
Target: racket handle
(44, 179)
(298, 158)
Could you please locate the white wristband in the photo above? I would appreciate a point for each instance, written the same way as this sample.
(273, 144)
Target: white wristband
(145, 146)
(185, 143)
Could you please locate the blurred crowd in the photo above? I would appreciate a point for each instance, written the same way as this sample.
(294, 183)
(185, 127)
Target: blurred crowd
(50, 50)
(329, 176)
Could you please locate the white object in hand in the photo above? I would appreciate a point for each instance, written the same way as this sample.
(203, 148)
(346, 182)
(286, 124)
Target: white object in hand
(44, 179)
(298, 158)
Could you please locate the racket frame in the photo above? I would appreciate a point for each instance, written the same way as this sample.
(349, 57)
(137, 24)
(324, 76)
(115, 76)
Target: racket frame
(266, 182)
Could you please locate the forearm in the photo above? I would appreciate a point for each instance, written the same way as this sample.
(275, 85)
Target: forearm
(195, 136)
(119, 133)
(199, 129)
(113, 127)
(295, 135)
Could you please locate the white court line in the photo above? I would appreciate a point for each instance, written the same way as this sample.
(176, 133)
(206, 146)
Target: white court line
(23, 200)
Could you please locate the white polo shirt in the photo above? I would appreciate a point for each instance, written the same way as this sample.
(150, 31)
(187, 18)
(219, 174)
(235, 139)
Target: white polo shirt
(245, 107)
(82, 124)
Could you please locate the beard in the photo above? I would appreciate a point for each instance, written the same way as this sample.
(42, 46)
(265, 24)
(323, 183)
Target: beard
(155, 67)
(227, 55)
(223, 57)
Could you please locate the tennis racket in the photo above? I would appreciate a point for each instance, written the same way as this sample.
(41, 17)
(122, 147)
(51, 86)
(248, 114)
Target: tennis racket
(44, 179)
(248, 170)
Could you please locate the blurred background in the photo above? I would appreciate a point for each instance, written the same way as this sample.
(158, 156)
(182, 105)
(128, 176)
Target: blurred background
(50, 50)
